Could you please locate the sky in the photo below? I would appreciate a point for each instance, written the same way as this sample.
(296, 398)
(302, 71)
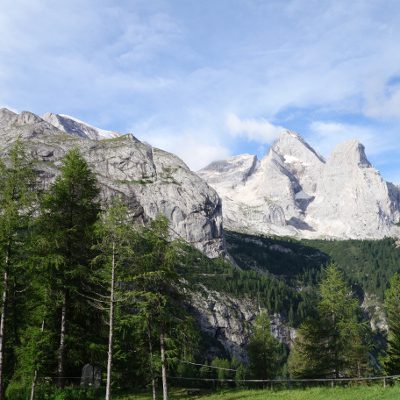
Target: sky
(212, 78)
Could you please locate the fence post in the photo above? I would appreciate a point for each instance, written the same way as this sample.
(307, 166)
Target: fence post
(384, 382)
(332, 384)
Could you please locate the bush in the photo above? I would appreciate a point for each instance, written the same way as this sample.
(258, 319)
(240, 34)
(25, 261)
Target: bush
(21, 391)
(17, 390)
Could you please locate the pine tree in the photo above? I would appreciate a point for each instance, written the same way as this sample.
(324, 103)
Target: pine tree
(331, 345)
(17, 180)
(264, 350)
(392, 305)
(69, 212)
(116, 242)
(160, 296)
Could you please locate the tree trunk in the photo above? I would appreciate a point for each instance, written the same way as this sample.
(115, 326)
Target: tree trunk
(153, 381)
(2, 329)
(3, 319)
(111, 326)
(163, 367)
(61, 349)
(35, 374)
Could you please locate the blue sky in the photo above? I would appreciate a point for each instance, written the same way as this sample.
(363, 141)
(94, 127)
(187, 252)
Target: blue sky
(211, 78)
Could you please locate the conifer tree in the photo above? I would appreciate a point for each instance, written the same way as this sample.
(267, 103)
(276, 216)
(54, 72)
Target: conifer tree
(69, 212)
(392, 305)
(116, 243)
(160, 296)
(263, 349)
(332, 344)
(17, 180)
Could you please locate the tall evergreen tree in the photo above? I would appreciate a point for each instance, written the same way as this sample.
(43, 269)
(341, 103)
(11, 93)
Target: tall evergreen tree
(116, 243)
(265, 352)
(392, 305)
(331, 345)
(159, 297)
(69, 212)
(17, 181)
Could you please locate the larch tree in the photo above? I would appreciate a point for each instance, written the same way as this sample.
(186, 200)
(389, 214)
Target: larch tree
(392, 306)
(160, 297)
(116, 237)
(17, 181)
(69, 212)
(264, 351)
(332, 344)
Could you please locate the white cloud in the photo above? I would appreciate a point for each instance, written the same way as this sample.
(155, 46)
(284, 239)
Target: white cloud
(326, 135)
(196, 150)
(196, 72)
(256, 130)
(383, 103)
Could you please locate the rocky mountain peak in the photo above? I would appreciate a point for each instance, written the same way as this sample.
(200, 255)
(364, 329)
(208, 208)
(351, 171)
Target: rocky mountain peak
(6, 116)
(294, 149)
(27, 118)
(76, 127)
(349, 154)
(151, 181)
(294, 191)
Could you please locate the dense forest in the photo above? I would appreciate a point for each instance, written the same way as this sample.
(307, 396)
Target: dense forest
(84, 288)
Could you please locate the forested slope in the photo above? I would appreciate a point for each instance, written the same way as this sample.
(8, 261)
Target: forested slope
(367, 263)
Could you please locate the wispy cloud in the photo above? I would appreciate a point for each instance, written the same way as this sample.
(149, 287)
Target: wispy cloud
(326, 135)
(220, 77)
(257, 130)
(383, 101)
(195, 149)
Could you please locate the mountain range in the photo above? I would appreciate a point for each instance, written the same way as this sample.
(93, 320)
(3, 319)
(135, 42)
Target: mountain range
(294, 191)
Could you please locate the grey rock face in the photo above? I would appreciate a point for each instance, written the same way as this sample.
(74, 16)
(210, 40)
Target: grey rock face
(374, 309)
(230, 321)
(352, 200)
(293, 191)
(79, 128)
(151, 180)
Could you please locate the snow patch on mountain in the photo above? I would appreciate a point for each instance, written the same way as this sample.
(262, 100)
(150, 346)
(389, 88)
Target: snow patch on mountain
(76, 127)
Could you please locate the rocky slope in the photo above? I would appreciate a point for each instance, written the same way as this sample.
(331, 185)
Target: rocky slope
(230, 321)
(152, 180)
(294, 191)
(74, 126)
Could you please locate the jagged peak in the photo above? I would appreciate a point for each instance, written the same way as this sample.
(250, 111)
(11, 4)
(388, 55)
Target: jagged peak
(350, 152)
(290, 145)
(77, 127)
(7, 115)
(27, 118)
(5, 110)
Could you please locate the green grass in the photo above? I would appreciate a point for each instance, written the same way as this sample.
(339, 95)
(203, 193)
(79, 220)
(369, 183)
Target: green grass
(351, 393)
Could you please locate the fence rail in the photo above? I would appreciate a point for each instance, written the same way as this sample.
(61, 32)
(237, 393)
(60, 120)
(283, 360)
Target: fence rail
(275, 384)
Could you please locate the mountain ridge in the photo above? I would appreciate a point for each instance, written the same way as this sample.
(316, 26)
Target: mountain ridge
(294, 191)
(150, 180)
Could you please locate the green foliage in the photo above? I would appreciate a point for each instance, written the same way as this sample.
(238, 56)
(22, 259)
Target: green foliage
(264, 351)
(392, 305)
(17, 196)
(331, 345)
(293, 269)
(223, 366)
(64, 249)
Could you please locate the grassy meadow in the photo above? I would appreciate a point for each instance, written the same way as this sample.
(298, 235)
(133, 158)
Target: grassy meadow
(348, 393)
